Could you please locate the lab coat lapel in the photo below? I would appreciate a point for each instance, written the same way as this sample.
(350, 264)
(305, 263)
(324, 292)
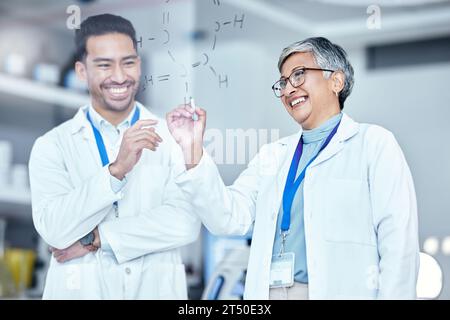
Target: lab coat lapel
(81, 126)
(347, 129)
(289, 145)
(84, 138)
(333, 148)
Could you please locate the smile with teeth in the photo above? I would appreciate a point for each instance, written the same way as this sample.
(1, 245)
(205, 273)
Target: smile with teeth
(297, 101)
(117, 90)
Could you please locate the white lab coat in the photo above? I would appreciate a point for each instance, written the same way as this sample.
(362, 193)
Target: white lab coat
(71, 195)
(360, 213)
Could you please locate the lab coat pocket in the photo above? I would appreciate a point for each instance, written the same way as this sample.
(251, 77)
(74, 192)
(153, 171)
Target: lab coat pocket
(170, 280)
(348, 212)
(73, 280)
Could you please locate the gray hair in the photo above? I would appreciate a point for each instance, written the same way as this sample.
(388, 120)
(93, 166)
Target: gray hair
(327, 56)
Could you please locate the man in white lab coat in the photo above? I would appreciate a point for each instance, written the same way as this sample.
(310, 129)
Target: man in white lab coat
(333, 206)
(102, 183)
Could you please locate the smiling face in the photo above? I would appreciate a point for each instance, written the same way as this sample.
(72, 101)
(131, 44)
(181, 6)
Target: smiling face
(112, 70)
(315, 101)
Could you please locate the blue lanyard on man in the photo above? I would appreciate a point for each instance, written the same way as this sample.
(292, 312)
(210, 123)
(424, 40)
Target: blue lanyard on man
(292, 185)
(102, 149)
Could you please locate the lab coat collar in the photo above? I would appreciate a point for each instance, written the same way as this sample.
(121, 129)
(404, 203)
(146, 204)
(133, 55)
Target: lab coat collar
(80, 122)
(347, 129)
(100, 123)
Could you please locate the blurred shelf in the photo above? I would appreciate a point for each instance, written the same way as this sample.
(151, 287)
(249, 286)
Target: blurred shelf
(15, 203)
(42, 92)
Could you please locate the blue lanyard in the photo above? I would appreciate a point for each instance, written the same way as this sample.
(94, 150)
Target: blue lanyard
(292, 185)
(102, 149)
(99, 140)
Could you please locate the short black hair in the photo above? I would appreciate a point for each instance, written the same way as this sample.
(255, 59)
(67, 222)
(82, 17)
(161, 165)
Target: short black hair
(99, 25)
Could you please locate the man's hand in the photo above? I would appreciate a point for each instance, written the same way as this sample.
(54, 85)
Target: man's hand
(187, 132)
(77, 250)
(135, 139)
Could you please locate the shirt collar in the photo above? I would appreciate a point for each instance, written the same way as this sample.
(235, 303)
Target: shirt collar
(347, 129)
(80, 121)
(322, 131)
(100, 122)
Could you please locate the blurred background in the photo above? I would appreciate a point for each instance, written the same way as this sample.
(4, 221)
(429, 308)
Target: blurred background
(224, 53)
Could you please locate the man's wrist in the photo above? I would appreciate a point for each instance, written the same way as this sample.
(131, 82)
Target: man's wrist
(115, 171)
(97, 243)
(88, 241)
(91, 241)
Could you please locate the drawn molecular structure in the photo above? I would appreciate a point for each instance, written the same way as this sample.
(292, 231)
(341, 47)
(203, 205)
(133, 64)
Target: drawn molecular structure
(163, 38)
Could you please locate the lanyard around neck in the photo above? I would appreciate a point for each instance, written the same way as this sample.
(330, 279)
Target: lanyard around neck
(292, 185)
(99, 140)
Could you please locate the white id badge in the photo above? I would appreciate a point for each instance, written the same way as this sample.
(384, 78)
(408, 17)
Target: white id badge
(282, 270)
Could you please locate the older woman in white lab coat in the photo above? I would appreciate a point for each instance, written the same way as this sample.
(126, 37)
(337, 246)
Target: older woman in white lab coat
(333, 206)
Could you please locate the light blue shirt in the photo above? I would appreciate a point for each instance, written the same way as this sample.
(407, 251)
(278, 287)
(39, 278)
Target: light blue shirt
(295, 241)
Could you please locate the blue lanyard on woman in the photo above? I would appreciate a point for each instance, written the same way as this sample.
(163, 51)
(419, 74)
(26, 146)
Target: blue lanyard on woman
(292, 185)
(102, 149)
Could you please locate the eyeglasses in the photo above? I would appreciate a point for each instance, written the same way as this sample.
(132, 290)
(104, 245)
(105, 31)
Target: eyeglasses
(296, 79)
